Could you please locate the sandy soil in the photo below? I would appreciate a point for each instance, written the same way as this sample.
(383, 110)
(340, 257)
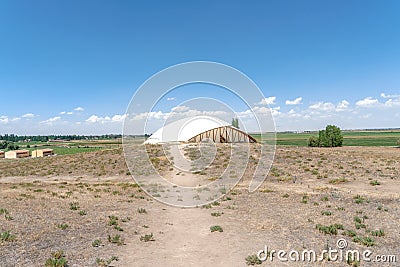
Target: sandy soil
(304, 185)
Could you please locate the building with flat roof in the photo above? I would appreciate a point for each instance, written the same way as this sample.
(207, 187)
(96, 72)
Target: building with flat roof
(38, 153)
(14, 154)
(2, 154)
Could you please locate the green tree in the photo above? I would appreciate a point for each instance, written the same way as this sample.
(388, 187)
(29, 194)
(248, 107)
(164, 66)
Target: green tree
(3, 145)
(313, 141)
(235, 122)
(330, 137)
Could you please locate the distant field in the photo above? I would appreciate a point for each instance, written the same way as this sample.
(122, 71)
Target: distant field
(71, 147)
(72, 150)
(351, 138)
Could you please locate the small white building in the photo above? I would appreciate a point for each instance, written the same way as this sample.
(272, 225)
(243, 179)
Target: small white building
(38, 153)
(14, 154)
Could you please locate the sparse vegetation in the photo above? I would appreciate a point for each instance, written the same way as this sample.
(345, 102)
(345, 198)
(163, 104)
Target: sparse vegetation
(113, 220)
(253, 260)
(378, 233)
(351, 261)
(358, 199)
(147, 237)
(106, 262)
(216, 228)
(304, 199)
(57, 260)
(338, 181)
(118, 228)
(374, 182)
(366, 241)
(325, 198)
(73, 206)
(47, 204)
(142, 210)
(350, 233)
(116, 239)
(96, 243)
(62, 226)
(357, 219)
(329, 229)
(6, 236)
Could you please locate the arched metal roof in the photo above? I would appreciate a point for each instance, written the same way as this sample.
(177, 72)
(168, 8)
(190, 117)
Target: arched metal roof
(185, 129)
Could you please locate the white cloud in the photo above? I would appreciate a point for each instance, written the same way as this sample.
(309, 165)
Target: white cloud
(57, 118)
(95, 118)
(180, 109)
(118, 118)
(297, 101)
(171, 98)
(28, 115)
(293, 114)
(267, 101)
(342, 106)
(367, 102)
(392, 102)
(177, 112)
(115, 118)
(259, 111)
(78, 109)
(323, 106)
(366, 116)
(4, 119)
(149, 115)
(383, 95)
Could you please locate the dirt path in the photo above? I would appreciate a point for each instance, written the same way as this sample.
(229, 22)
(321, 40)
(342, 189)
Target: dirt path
(185, 239)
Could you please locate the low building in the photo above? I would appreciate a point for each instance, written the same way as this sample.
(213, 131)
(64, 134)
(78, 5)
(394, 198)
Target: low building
(14, 154)
(42, 152)
(1, 154)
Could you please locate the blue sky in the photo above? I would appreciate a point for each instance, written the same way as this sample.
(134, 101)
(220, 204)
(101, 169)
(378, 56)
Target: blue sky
(63, 62)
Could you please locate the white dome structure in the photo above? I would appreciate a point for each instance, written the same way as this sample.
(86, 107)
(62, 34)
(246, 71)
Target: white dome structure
(198, 128)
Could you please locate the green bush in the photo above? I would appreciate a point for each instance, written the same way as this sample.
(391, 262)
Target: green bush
(58, 260)
(330, 137)
(216, 228)
(313, 141)
(253, 260)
